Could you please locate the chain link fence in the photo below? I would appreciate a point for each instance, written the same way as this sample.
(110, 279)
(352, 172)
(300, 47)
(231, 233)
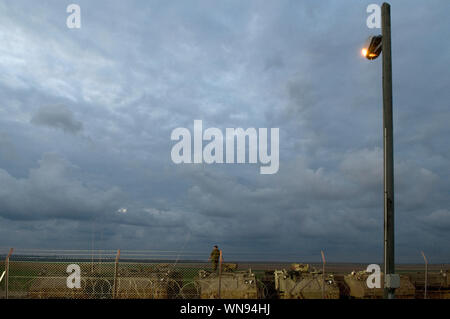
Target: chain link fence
(109, 274)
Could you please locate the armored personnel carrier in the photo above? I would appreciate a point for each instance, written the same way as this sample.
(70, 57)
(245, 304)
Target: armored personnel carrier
(302, 282)
(132, 282)
(54, 288)
(52, 283)
(148, 283)
(357, 287)
(233, 285)
(438, 284)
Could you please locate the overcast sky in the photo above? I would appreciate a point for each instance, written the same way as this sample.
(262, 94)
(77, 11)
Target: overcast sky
(86, 117)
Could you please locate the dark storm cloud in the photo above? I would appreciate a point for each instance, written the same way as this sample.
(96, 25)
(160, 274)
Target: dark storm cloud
(137, 70)
(57, 116)
(439, 219)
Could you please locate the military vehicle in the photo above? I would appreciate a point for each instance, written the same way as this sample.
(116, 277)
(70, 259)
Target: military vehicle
(51, 282)
(438, 284)
(132, 282)
(302, 282)
(148, 283)
(229, 267)
(54, 286)
(357, 287)
(233, 285)
(266, 283)
(151, 286)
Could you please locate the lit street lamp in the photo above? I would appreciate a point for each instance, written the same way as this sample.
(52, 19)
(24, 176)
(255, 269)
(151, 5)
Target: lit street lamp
(373, 48)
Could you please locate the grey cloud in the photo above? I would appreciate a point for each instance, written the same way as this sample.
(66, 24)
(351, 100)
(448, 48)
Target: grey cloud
(57, 116)
(288, 64)
(52, 191)
(439, 219)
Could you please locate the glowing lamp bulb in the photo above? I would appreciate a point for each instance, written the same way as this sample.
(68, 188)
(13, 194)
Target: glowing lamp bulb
(364, 52)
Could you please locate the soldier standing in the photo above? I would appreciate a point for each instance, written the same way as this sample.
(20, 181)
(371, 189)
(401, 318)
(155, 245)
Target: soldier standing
(214, 257)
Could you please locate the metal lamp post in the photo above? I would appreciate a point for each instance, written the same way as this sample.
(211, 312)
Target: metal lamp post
(372, 51)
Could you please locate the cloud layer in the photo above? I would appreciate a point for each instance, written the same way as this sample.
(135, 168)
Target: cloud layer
(57, 116)
(137, 70)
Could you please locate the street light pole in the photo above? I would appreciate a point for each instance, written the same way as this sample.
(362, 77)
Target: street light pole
(374, 46)
(388, 145)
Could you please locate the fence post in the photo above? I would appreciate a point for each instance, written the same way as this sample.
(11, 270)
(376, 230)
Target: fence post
(220, 272)
(116, 268)
(323, 274)
(426, 274)
(7, 272)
